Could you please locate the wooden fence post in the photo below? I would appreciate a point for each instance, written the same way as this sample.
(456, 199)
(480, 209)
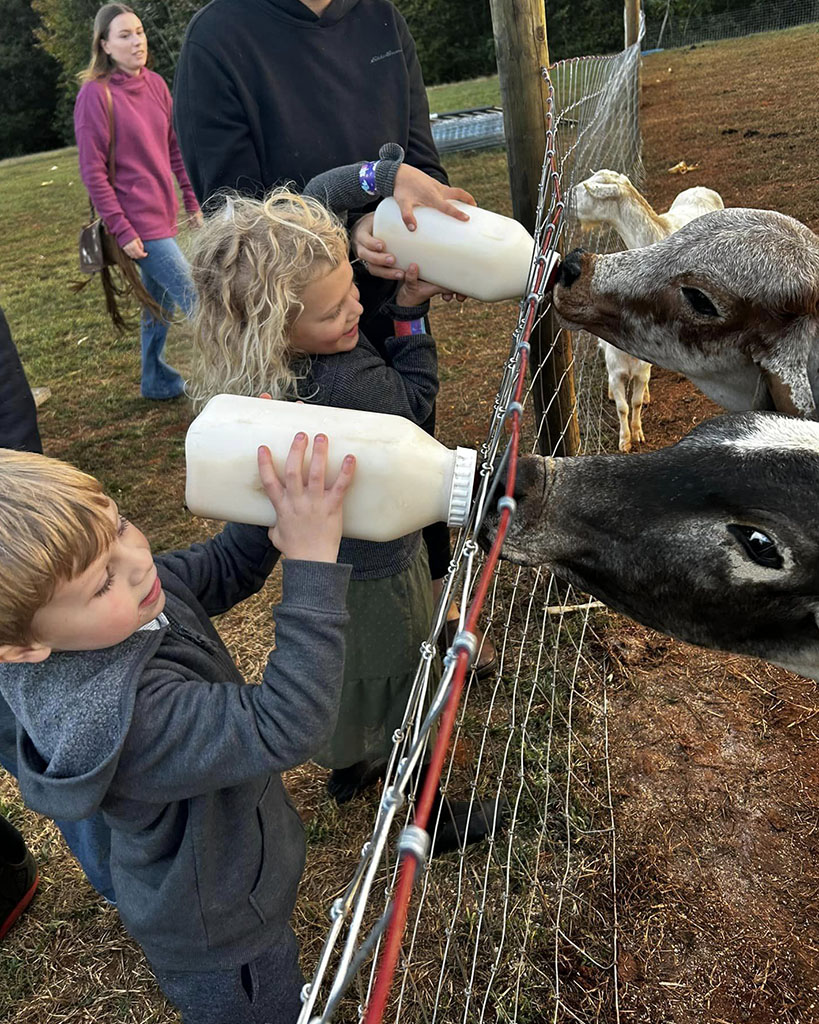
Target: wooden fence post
(632, 20)
(522, 49)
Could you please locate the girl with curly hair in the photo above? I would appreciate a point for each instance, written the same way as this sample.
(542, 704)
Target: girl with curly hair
(278, 313)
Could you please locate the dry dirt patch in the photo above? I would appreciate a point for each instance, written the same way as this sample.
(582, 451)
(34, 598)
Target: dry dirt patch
(715, 757)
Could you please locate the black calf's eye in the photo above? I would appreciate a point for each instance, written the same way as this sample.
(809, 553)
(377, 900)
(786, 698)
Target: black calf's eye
(700, 302)
(758, 545)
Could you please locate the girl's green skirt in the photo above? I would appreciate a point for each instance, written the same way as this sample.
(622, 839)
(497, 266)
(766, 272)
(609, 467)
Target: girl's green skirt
(389, 620)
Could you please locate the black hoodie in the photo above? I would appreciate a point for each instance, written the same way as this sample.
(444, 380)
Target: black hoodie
(266, 92)
(18, 414)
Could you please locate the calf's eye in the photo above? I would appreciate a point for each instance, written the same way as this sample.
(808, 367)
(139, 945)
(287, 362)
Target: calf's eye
(757, 545)
(699, 302)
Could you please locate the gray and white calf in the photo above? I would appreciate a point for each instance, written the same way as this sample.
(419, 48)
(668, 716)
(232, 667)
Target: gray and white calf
(714, 540)
(731, 300)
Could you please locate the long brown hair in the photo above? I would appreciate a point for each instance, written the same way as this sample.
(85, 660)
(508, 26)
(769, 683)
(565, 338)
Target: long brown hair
(101, 65)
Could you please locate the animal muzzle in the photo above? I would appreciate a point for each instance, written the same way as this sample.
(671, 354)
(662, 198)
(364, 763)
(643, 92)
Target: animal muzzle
(532, 485)
(571, 268)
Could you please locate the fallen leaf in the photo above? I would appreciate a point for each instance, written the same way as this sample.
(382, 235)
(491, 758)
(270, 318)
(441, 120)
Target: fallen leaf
(46, 183)
(682, 168)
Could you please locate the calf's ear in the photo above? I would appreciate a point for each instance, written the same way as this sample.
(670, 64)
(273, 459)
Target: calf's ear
(784, 366)
(786, 395)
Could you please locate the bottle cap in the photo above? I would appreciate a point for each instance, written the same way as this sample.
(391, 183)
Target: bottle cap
(463, 479)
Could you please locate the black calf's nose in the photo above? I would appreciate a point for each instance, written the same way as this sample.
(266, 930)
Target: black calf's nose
(570, 268)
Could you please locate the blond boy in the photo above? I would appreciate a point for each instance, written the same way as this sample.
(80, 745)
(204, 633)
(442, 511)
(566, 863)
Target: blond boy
(127, 700)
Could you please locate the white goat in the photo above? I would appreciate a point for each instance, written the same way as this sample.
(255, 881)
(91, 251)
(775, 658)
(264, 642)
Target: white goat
(609, 199)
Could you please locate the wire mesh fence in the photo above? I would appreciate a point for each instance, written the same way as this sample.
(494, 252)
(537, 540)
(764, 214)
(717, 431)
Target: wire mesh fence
(673, 30)
(523, 926)
(477, 128)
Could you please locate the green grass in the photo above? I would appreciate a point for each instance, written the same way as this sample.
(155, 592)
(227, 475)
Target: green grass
(477, 92)
(95, 417)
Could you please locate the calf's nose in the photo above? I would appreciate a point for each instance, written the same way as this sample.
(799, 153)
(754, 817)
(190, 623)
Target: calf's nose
(570, 268)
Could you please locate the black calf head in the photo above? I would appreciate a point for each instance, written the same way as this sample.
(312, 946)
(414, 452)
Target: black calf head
(714, 540)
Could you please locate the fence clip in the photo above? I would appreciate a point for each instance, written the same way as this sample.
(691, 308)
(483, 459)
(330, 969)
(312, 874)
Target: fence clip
(392, 799)
(511, 409)
(465, 641)
(414, 840)
(507, 501)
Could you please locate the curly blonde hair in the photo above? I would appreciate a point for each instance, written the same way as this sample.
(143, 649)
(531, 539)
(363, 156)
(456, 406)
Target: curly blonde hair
(250, 265)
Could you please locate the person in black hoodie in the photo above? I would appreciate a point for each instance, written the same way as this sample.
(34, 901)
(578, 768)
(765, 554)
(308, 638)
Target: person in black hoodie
(18, 411)
(275, 92)
(270, 92)
(18, 430)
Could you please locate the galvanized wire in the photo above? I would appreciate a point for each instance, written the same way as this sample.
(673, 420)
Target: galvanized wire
(500, 931)
(675, 30)
(458, 130)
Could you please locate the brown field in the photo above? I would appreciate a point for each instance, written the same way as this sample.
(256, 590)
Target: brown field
(716, 761)
(715, 770)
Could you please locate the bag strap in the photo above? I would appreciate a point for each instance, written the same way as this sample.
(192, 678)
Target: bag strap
(111, 166)
(110, 99)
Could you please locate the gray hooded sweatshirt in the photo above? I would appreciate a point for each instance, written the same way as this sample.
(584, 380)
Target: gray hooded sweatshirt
(161, 733)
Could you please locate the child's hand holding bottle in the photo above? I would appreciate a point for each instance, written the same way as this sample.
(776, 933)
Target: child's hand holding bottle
(413, 291)
(308, 515)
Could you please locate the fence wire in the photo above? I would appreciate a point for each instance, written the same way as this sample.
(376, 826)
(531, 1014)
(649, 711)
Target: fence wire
(521, 927)
(458, 130)
(673, 30)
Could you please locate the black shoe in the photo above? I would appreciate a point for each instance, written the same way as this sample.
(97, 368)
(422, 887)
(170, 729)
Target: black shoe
(17, 885)
(462, 824)
(345, 783)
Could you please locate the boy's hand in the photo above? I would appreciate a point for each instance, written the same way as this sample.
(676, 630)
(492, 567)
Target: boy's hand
(413, 291)
(308, 515)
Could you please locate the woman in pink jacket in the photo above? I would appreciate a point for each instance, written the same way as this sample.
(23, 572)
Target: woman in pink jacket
(140, 208)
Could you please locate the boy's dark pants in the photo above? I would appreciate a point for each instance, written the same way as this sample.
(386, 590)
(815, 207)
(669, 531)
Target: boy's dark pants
(264, 991)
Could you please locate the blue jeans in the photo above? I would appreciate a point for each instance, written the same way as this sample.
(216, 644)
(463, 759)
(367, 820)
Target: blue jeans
(90, 842)
(167, 278)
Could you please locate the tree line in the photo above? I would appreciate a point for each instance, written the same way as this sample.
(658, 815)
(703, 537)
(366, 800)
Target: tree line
(45, 43)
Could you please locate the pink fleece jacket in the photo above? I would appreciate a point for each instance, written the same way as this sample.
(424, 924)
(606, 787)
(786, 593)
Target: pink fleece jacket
(143, 201)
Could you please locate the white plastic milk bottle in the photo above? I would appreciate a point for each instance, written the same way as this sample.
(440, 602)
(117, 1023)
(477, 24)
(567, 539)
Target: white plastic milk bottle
(486, 257)
(404, 479)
